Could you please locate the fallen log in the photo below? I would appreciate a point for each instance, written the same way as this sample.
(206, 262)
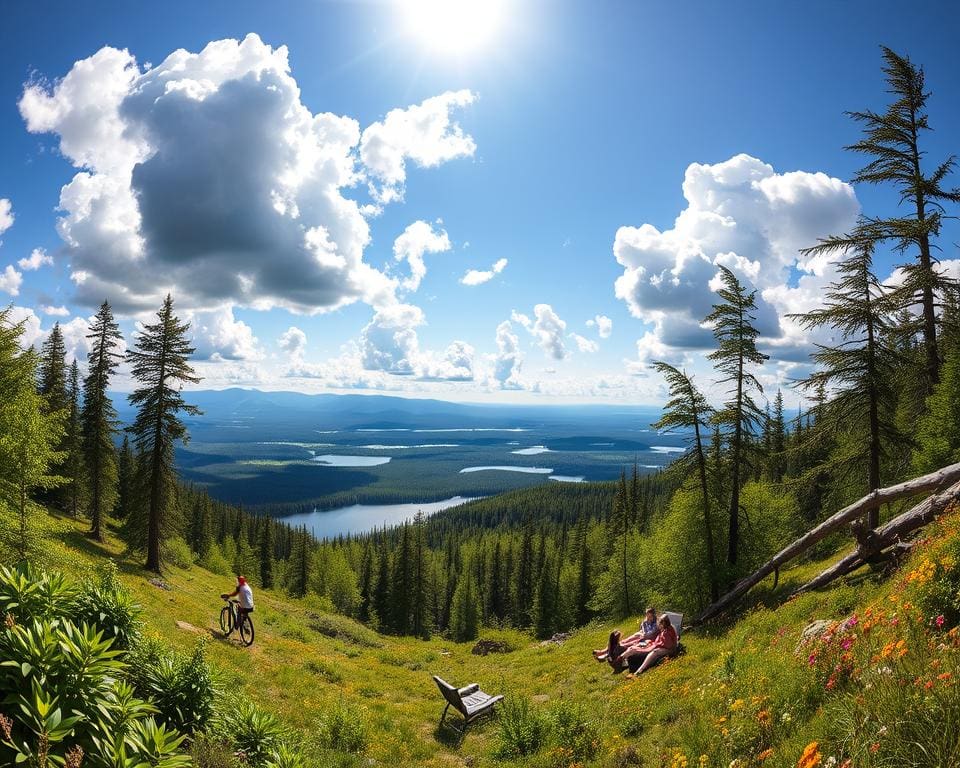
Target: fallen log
(886, 536)
(934, 481)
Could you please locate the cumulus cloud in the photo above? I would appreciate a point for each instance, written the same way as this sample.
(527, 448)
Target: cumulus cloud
(293, 341)
(744, 215)
(6, 215)
(547, 328)
(478, 277)
(416, 240)
(509, 359)
(32, 332)
(603, 324)
(424, 133)
(10, 280)
(218, 336)
(389, 343)
(157, 147)
(37, 258)
(584, 344)
(53, 311)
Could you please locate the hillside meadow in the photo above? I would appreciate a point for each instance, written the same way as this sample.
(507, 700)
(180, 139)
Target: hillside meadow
(746, 693)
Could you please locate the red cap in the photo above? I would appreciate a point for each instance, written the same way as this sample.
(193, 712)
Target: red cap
(241, 580)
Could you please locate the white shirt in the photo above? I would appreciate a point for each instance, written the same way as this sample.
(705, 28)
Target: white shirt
(246, 597)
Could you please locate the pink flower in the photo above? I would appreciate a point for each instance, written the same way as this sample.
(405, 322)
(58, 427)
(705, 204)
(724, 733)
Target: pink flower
(939, 620)
(812, 660)
(847, 642)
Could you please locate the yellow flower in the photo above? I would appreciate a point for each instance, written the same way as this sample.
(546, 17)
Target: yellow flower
(736, 705)
(704, 761)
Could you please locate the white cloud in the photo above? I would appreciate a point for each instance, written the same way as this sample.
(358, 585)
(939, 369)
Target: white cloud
(744, 215)
(509, 359)
(423, 133)
(6, 215)
(219, 336)
(37, 258)
(584, 344)
(32, 332)
(293, 341)
(416, 240)
(54, 311)
(547, 328)
(603, 324)
(155, 147)
(478, 277)
(10, 280)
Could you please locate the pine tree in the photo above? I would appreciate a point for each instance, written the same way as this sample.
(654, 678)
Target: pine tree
(619, 532)
(465, 610)
(420, 608)
(73, 445)
(300, 561)
(53, 370)
(893, 140)
(859, 369)
(736, 336)
(402, 582)
(266, 553)
(126, 472)
(688, 409)
(381, 591)
(778, 441)
(98, 418)
(581, 610)
(160, 365)
(524, 579)
(545, 600)
(30, 433)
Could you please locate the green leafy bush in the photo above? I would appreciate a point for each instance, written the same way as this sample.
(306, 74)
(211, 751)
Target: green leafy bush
(343, 729)
(177, 552)
(63, 689)
(105, 602)
(523, 730)
(180, 686)
(256, 735)
(575, 736)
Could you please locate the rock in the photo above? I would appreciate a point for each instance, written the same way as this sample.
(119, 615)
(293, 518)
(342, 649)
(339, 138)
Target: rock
(483, 647)
(160, 584)
(187, 627)
(811, 632)
(558, 639)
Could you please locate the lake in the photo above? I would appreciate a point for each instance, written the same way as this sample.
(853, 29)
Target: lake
(362, 518)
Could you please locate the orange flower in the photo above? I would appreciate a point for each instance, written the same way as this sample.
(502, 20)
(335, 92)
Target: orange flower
(811, 756)
(764, 755)
(763, 717)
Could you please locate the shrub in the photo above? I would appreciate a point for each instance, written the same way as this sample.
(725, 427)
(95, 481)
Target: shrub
(215, 562)
(26, 593)
(177, 552)
(210, 752)
(325, 670)
(104, 601)
(180, 686)
(522, 729)
(342, 628)
(343, 729)
(575, 736)
(256, 735)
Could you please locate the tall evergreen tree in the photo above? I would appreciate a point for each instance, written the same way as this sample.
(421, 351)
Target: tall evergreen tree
(894, 142)
(126, 472)
(161, 367)
(859, 369)
(687, 409)
(776, 461)
(732, 322)
(266, 552)
(73, 445)
(401, 583)
(53, 370)
(98, 418)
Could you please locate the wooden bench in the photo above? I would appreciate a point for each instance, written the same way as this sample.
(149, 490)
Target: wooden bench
(469, 701)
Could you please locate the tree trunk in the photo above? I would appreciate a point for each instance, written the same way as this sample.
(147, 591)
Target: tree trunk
(707, 528)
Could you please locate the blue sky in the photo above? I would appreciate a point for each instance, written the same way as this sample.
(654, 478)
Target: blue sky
(560, 143)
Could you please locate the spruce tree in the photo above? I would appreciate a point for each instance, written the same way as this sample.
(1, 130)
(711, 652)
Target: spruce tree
(687, 409)
(126, 472)
(160, 365)
(465, 610)
(894, 142)
(381, 591)
(581, 610)
(52, 385)
(402, 583)
(73, 445)
(266, 552)
(98, 418)
(859, 368)
(732, 322)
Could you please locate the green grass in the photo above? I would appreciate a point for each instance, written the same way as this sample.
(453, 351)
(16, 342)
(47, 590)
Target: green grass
(739, 690)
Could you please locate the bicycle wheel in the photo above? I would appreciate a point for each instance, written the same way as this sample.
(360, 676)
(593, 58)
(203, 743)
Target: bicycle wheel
(246, 630)
(226, 620)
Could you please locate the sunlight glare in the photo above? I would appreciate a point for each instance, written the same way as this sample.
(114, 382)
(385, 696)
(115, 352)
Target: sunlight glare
(453, 26)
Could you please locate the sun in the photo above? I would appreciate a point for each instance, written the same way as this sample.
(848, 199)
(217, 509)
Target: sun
(453, 26)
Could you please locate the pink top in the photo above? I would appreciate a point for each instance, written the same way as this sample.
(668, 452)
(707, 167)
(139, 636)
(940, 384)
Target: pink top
(667, 639)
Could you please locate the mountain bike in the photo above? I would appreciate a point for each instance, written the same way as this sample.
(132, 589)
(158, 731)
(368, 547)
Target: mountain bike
(231, 617)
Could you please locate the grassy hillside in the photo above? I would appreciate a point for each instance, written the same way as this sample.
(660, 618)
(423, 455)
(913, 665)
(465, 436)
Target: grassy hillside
(743, 694)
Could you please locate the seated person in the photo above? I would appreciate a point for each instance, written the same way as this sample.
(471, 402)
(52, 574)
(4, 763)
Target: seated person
(648, 631)
(665, 644)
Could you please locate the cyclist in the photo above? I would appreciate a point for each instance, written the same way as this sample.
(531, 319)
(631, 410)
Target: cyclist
(244, 595)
